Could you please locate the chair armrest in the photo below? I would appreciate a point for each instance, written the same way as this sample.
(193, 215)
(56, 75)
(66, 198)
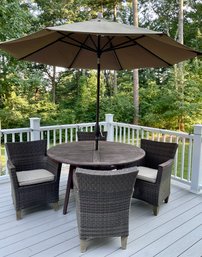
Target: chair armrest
(11, 166)
(12, 172)
(53, 166)
(164, 170)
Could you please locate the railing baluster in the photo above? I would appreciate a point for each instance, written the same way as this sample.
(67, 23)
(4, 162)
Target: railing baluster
(189, 160)
(13, 137)
(54, 137)
(28, 136)
(133, 136)
(48, 138)
(182, 162)
(66, 135)
(176, 159)
(124, 134)
(137, 137)
(142, 133)
(21, 137)
(120, 134)
(116, 137)
(60, 136)
(128, 135)
(71, 135)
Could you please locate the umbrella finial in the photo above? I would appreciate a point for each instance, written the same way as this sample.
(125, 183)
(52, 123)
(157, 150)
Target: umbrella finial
(99, 16)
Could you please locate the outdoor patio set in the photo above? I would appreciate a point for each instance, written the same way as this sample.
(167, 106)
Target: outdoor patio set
(103, 196)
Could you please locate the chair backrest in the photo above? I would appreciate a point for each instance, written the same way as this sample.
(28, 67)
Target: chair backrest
(90, 136)
(107, 188)
(157, 152)
(22, 154)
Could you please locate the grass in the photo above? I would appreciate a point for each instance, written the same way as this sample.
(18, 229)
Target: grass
(2, 161)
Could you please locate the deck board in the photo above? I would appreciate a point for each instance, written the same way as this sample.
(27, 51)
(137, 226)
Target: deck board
(176, 231)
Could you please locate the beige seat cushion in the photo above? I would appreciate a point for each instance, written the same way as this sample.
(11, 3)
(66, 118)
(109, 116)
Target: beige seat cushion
(30, 177)
(147, 174)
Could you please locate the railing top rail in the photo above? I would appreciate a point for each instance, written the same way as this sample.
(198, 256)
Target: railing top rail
(16, 130)
(42, 128)
(79, 125)
(157, 130)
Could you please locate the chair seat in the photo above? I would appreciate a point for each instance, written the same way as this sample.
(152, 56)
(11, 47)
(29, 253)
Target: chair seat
(147, 174)
(30, 177)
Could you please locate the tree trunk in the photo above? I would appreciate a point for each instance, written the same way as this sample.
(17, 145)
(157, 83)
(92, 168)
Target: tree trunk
(53, 84)
(135, 71)
(115, 73)
(180, 66)
(115, 82)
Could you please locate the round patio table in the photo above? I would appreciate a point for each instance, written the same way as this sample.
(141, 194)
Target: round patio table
(110, 155)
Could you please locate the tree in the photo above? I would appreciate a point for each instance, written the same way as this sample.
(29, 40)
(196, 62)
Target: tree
(180, 73)
(135, 71)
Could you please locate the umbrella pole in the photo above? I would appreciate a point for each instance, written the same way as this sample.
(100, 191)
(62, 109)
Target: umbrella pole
(97, 127)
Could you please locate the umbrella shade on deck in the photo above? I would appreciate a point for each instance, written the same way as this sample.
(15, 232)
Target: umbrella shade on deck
(99, 44)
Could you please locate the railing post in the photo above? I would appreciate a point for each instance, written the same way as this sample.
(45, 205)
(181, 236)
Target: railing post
(196, 179)
(109, 127)
(35, 128)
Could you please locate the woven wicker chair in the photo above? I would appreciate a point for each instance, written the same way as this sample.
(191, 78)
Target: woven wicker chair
(153, 180)
(103, 202)
(34, 176)
(89, 136)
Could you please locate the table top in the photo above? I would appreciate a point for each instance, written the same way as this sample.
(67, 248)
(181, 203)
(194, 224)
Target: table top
(109, 154)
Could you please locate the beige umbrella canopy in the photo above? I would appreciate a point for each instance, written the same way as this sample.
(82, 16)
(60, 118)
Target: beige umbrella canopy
(99, 44)
(120, 46)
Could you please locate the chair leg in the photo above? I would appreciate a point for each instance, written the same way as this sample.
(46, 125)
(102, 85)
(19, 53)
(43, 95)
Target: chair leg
(83, 245)
(124, 242)
(19, 215)
(55, 206)
(166, 200)
(155, 210)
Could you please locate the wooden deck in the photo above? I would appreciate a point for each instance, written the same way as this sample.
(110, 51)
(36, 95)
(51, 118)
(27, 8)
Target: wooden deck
(176, 231)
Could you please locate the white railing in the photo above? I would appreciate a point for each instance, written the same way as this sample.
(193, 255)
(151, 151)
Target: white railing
(184, 169)
(65, 133)
(132, 134)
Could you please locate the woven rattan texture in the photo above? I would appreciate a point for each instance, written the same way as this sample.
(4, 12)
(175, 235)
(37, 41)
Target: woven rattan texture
(103, 201)
(28, 156)
(159, 155)
(89, 136)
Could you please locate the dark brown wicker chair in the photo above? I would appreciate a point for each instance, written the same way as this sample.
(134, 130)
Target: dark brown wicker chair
(153, 180)
(103, 202)
(34, 176)
(89, 136)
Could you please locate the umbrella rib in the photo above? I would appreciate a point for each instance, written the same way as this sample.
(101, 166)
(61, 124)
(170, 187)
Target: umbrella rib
(116, 56)
(93, 42)
(109, 41)
(79, 44)
(38, 50)
(153, 54)
(117, 48)
(123, 44)
(78, 52)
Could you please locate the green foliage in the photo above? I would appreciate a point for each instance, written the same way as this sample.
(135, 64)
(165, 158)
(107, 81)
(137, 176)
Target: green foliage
(15, 19)
(121, 105)
(162, 105)
(26, 88)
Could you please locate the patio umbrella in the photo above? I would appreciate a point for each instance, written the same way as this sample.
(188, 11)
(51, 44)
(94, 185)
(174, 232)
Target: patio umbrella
(99, 44)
